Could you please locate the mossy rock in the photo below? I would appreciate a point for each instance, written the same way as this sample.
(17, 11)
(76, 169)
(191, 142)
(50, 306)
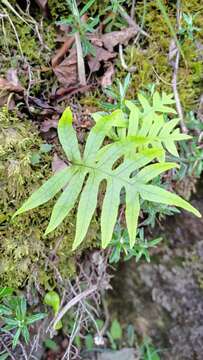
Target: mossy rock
(25, 254)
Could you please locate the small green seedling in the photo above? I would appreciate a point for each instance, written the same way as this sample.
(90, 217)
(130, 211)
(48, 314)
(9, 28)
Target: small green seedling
(14, 315)
(52, 299)
(121, 246)
(78, 25)
(188, 29)
(115, 334)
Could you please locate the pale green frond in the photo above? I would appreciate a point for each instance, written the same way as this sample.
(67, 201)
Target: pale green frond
(152, 171)
(159, 195)
(156, 126)
(67, 136)
(161, 102)
(168, 127)
(140, 159)
(133, 118)
(145, 103)
(171, 147)
(132, 213)
(109, 211)
(47, 191)
(66, 201)
(86, 208)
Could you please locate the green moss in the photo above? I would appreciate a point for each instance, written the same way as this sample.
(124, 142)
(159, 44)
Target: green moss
(25, 254)
(58, 8)
(151, 56)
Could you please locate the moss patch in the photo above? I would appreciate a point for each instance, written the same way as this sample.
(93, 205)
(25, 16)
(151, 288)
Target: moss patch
(24, 251)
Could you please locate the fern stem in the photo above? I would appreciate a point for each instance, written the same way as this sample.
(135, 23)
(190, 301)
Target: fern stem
(80, 60)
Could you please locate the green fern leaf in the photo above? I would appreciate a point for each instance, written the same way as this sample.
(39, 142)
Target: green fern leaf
(112, 164)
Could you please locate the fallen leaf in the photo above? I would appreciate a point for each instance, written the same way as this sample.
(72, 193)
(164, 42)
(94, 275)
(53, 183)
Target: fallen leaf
(61, 52)
(66, 71)
(57, 164)
(110, 40)
(106, 79)
(48, 124)
(101, 54)
(7, 85)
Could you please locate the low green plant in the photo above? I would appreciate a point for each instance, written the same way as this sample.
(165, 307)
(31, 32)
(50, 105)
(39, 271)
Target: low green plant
(117, 94)
(52, 299)
(127, 165)
(115, 334)
(148, 351)
(78, 25)
(14, 315)
(187, 28)
(120, 245)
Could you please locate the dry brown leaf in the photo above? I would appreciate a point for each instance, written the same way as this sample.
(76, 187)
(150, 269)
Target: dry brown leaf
(106, 79)
(11, 86)
(94, 62)
(110, 40)
(62, 51)
(48, 124)
(66, 71)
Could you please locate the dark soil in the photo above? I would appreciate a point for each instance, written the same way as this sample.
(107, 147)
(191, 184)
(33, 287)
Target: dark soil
(164, 299)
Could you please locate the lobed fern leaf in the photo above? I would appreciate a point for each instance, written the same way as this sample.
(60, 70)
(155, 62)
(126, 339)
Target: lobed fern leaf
(147, 127)
(112, 164)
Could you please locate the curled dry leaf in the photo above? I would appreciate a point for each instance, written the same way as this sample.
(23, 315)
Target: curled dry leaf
(110, 40)
(10, 86)
(106, 79)
(49, 124)
(101, 54)
(66, 71)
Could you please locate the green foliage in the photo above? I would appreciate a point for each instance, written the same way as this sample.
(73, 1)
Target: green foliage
(188, 29)
(116, 330)
(139, 139)
(117, 93)
(148, 351)
(121, 246)
(52, 299)
(115, 334)
(14, 315)
(80, 26)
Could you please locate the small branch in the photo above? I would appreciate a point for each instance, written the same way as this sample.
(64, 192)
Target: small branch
(73, 302)
(80, 60)
(176, 94)
(123, 63)
(7, 349)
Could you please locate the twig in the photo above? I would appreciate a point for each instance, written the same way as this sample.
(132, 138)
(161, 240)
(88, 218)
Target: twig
(73, 302)
(123, 63)
(80, 60)
(176, 94)
(74, 332)
(132, 12)
(7, 349)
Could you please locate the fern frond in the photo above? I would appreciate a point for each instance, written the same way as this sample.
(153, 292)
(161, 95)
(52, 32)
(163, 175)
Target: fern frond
(112, 164)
